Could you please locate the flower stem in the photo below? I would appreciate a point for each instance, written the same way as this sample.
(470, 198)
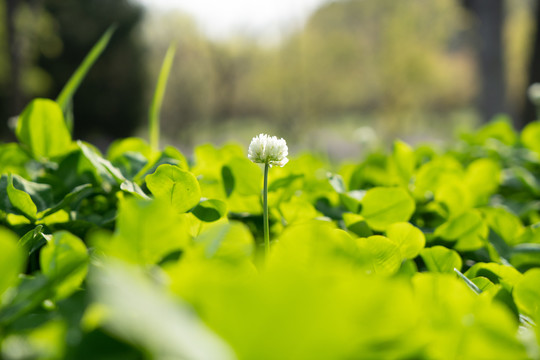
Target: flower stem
(265, 212)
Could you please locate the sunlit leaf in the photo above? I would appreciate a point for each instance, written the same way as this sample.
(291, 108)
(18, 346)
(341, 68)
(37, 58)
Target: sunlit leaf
(65, 260)
(178, 187)
(409, 239)
(382, 207)
(42, 129)
(527, 293)
(146, 231)
(12, 260)
(140, 312)
(439, 259)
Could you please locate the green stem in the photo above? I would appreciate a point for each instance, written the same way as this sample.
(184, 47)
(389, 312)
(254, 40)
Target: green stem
(265, 212)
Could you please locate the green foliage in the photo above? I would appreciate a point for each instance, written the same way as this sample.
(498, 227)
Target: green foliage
(413, 254)
(157, 100)
(441, 259)
(139, 224)
(409, 239)
(64, 260)
(12, 259)
(527, 293)
(176, 186)
(382, 207)
(42, 130)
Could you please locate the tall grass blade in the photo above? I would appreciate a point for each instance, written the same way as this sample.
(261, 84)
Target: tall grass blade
(155, 106)
(64, 99)
(469, 283)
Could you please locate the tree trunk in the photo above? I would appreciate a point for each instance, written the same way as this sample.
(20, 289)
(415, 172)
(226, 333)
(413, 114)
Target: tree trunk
(15, 99)
(529, 111)
(489, 26)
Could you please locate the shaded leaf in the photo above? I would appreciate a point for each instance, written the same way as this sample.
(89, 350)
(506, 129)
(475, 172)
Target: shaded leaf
(210, 210)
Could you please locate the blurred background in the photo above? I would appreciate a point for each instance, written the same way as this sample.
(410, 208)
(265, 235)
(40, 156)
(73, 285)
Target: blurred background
(325, 75)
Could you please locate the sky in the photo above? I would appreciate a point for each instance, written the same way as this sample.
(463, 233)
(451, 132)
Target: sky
(222, 18)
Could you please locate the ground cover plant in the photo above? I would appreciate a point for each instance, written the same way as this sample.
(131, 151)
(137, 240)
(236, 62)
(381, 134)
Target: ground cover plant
(416, 253)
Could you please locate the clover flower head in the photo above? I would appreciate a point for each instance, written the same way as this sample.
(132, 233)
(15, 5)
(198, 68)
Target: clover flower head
(534, 93)
(269, 150)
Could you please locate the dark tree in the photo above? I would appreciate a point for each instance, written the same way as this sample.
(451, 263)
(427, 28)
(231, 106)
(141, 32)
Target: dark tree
(489, 20)
(529, 111)
(110, 101)
(14, 58)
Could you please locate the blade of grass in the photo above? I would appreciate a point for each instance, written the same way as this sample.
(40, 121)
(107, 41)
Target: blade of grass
(64, 99)
(469, 283)
(157, 100)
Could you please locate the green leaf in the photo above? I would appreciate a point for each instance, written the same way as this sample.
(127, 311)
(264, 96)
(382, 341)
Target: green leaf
(34, 239)
(409, 239)
(402, 162)
(228, 180)
(13, 159)
(133, 189)
(527, 293)
(231, 241)
(65, 96)
(483, 177)
(178, 187)
(246, 177)
(500, 128)
(454, 196)
(381, 254)
(297, 210)
(357, 224)
(436, 173)
(210, 210)
(146, 231)
(468, 229)
(65, 260)
(103, 167)
(170, 156)
(352, 200)
(131, 156)
(482, 283)
(469, 283)
(42, 129)
(505, 275)
(382, 207)
(41, 194)
(73, 197)
(440, 259)
(283, 182)
(30, 294)
(139, 311)
(12, 260)
(21, 201)
(530, 136)
(157, 100)
(120, 147)
(507, 225)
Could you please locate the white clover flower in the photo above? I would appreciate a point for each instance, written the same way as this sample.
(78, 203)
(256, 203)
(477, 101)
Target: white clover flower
(269, 150)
